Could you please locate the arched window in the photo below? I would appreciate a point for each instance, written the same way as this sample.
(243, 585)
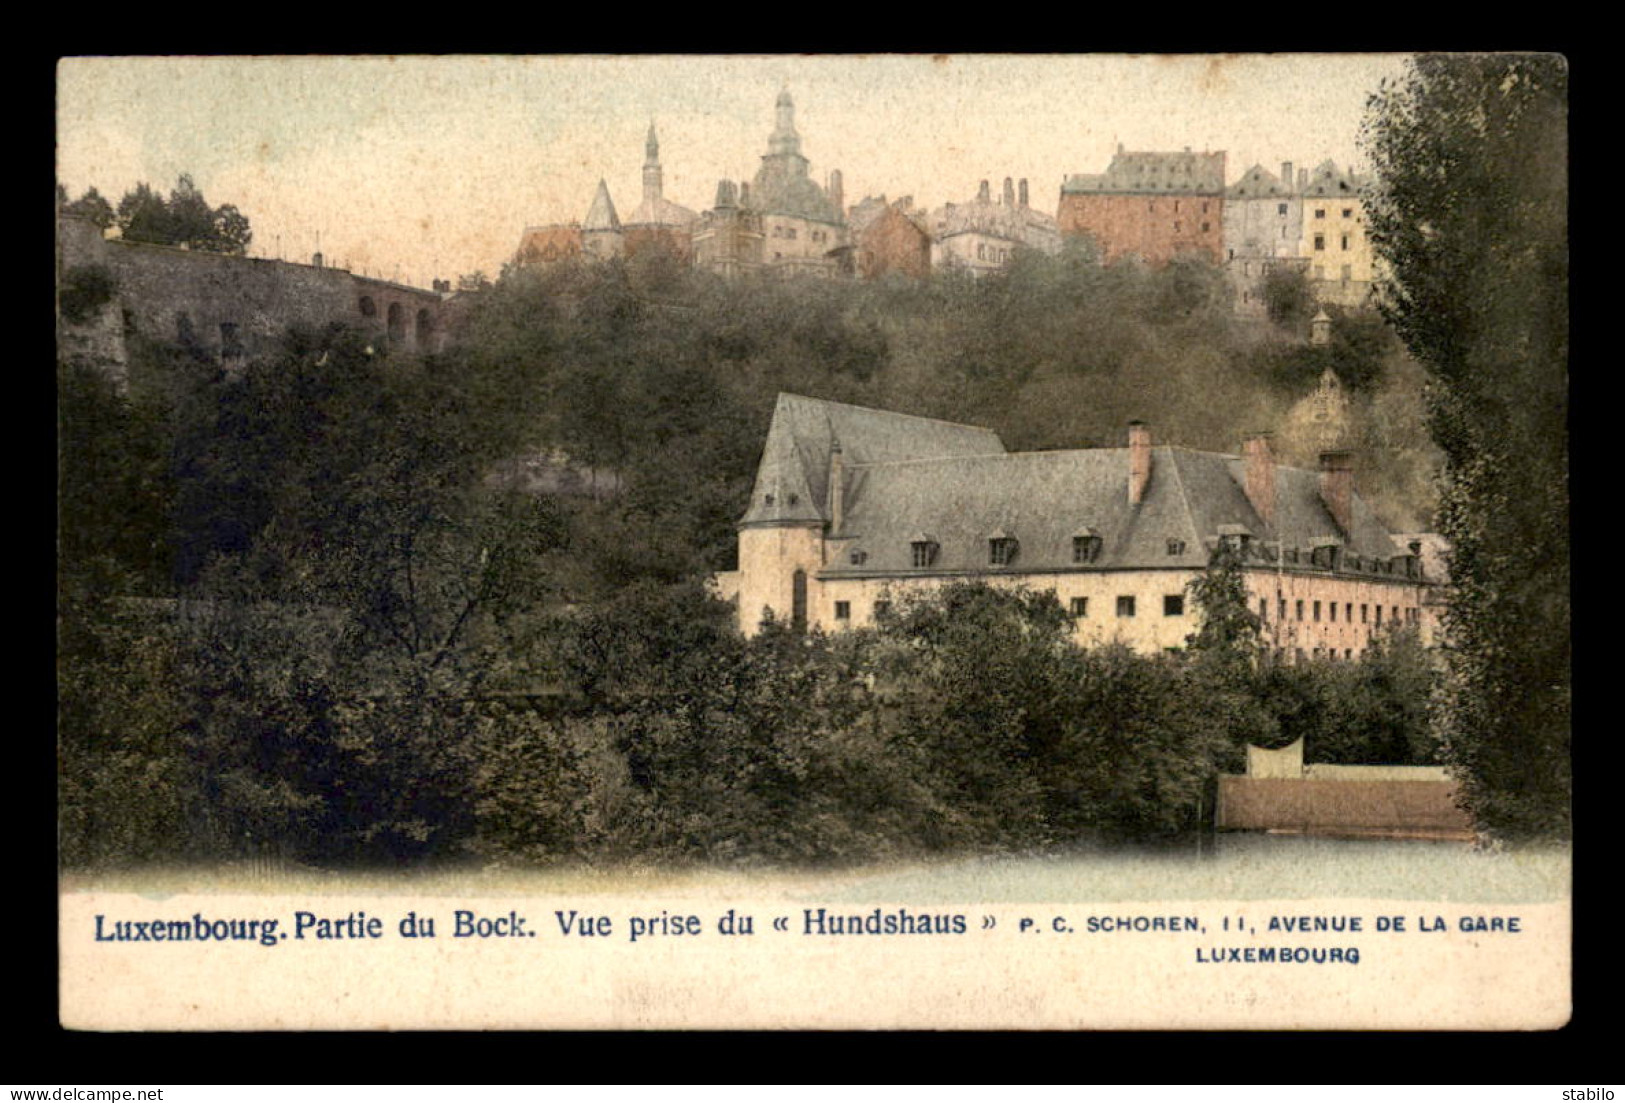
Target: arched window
(798, 601)
(397, 322)
(425, 328)
(369, 309)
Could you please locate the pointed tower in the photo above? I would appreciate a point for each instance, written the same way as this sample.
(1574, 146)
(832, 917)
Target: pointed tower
(784, 139)
(653, 182)
(601, 232)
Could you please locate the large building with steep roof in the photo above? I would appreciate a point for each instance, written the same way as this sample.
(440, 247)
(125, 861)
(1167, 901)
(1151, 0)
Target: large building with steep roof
(853, 507)
(1156, 206)
(803, 223)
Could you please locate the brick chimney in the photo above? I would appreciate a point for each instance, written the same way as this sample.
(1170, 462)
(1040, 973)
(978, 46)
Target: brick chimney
(1259, 467)
(982, 193)
(1337, 486)
(1022, 189)
(1009, 192)
(837, 193)
(1139, 460)
(1286, 175)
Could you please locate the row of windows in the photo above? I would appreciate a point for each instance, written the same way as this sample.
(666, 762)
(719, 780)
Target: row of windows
(1320, 212)
(1002, 551)
(1173, 605)
(1320, 242)
(1152, 206)
(1412, 615)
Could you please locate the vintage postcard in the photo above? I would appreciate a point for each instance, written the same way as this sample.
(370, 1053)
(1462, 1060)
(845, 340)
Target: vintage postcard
(785, 542)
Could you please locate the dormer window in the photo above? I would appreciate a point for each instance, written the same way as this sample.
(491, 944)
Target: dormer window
(1176, 547)
(1235, 538)
(1086, 544)
(1002, 548)
(767, 499)
(858, 557)
(925, 551)
(1325, 556)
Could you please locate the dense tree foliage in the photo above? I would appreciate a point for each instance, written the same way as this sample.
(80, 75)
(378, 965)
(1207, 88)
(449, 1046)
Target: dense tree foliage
(1471, 217)
(92, 205)
(366, 607)
(185, 219)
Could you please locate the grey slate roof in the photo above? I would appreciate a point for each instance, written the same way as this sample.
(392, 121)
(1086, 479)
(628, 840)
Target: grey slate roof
(1330, 179)
(905, 476)
(1259, 182)
(795, 459)
(1138, 173)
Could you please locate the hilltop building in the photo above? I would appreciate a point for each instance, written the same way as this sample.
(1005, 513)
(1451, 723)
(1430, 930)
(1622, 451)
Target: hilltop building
(1263, 232)
(803, 224)
(549, 244)
(982, 235)
(658, 223)
(1156, 206)
(728, 238)
(853, 506)
(889, 238)
(1334, 243)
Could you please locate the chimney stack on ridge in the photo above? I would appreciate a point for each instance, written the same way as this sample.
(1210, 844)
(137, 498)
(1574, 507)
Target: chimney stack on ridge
(1139, 460)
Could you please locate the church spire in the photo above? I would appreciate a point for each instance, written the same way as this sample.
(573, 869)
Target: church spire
(653, 178)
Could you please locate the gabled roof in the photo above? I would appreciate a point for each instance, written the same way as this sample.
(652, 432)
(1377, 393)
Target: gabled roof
(1328, 179)
(661, 212)
(804, 431)
(1259, 182)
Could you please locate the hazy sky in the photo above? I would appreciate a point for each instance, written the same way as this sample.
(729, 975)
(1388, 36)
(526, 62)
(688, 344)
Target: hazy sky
(425, 167)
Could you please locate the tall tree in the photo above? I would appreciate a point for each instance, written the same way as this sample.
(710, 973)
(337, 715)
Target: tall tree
(1470, 214)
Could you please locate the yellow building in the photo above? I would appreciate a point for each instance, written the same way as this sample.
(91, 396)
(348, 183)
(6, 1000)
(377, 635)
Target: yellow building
(1335, 245)
(853, 506)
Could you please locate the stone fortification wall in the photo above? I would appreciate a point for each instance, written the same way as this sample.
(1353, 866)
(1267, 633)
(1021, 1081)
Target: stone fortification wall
(233, 307)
